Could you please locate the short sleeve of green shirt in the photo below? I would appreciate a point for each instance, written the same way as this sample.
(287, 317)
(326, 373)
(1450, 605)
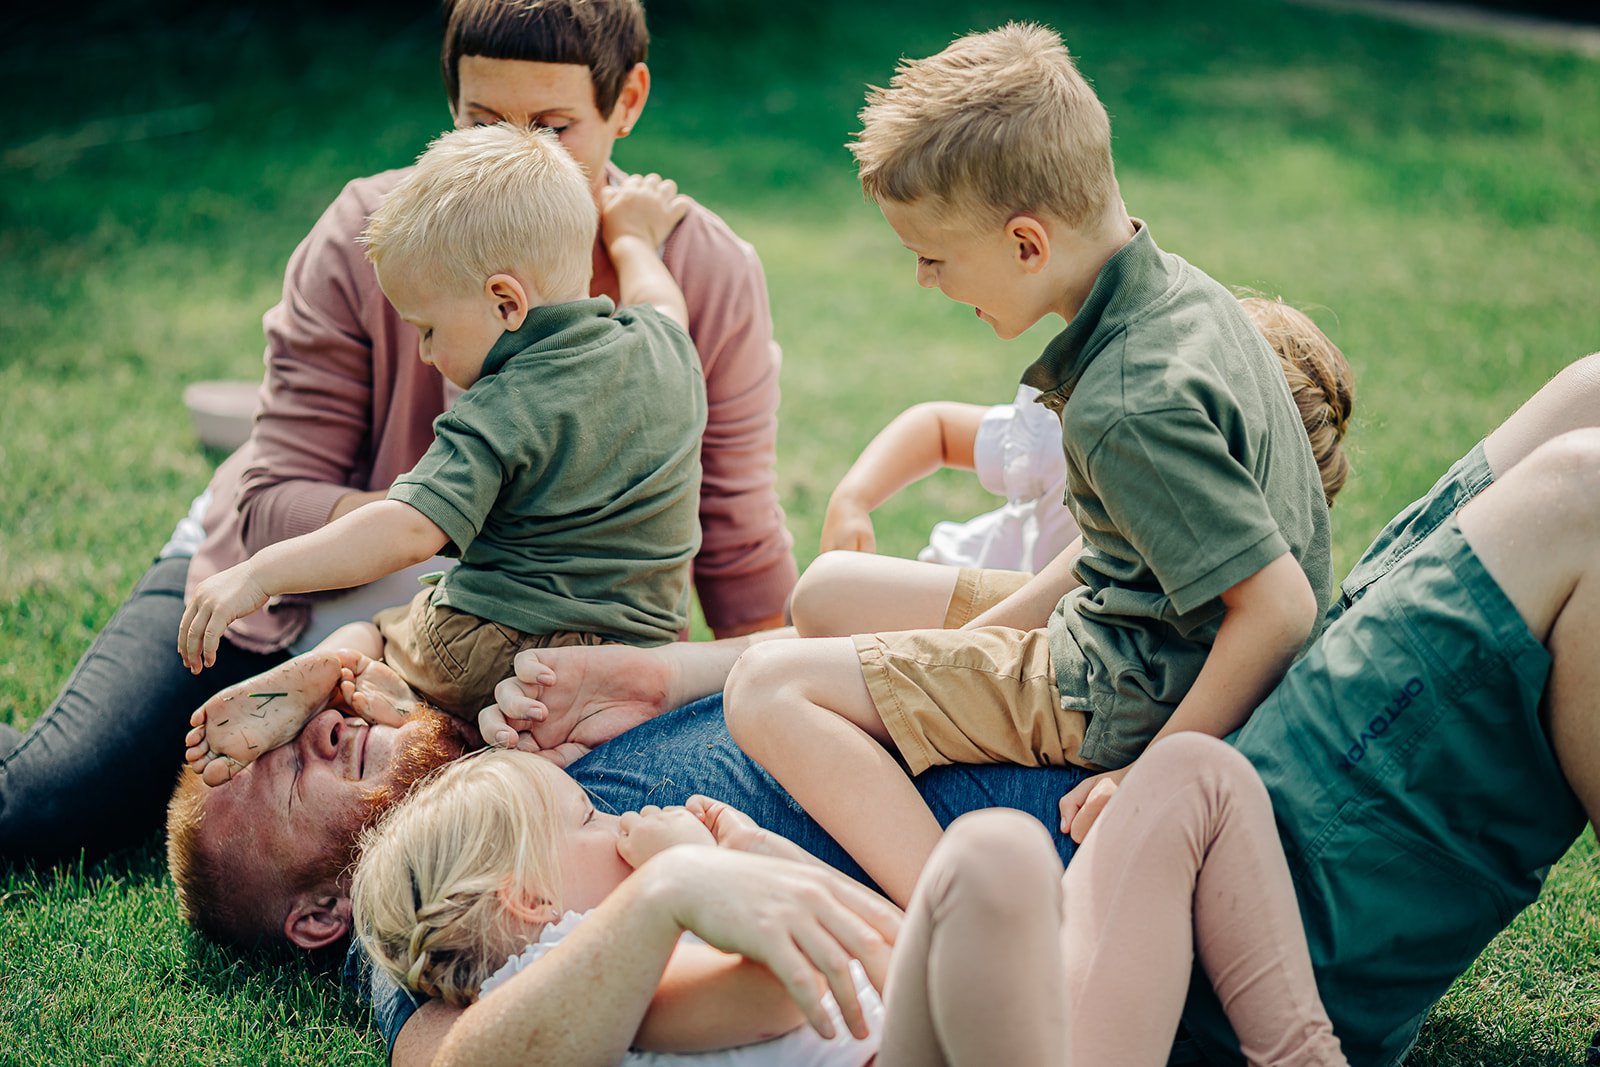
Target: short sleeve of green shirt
(455, 483)
(1186, 505)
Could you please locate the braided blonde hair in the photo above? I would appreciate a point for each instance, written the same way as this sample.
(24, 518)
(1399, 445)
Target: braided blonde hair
(1320, 380)
(460, 875)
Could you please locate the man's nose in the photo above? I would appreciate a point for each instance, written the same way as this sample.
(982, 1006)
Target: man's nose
(320, 738)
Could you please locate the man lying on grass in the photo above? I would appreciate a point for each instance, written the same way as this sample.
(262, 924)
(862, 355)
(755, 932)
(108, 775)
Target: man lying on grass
(1427, 761)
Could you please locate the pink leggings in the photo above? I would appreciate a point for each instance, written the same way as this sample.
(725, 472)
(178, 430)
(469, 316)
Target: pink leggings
(1003, 959)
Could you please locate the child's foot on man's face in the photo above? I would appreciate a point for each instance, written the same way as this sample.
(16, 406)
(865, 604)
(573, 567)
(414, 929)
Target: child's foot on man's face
(244, 722)
(371, 689)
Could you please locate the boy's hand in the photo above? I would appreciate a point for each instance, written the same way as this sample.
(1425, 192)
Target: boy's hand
(1083, 805)
(220, 599)
(646, 207)
(652, 830)
(848, 527)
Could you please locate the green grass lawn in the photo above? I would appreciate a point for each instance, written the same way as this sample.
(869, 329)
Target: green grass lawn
(1431, 199)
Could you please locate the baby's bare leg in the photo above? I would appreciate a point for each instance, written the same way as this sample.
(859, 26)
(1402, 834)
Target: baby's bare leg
(844, 593)
(245, 721)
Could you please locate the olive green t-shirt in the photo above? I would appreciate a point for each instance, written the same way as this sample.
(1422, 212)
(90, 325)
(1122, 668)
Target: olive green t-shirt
(568, 477)
(1188, 470)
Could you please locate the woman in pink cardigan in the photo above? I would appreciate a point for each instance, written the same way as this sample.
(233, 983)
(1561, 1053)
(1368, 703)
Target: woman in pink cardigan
(346, 405)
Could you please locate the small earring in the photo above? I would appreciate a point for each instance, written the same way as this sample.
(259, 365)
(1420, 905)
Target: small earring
(624, 131)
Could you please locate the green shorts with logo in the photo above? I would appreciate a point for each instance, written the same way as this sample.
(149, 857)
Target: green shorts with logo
(1416, 793)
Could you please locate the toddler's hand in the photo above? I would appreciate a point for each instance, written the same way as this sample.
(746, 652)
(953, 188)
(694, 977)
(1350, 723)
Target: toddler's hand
(646, 207)
(1083, 805)
(651, 830)
(219, 600)
(848, 527)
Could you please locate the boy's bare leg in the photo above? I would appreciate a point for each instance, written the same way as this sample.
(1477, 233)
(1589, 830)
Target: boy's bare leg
(1535, 531)
(802, 710)
(844, 593)
(564, 701)
(245, 721)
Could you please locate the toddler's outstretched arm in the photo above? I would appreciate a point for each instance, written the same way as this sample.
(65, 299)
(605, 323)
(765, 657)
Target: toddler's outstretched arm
(373, 541)
(636, 217)
(917, 442)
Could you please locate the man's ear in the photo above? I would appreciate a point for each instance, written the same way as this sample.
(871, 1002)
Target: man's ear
(317, 920)
(630, 101)
(510, 300)
(1030, 242)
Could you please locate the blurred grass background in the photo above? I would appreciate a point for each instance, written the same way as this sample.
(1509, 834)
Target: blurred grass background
(1431, 198)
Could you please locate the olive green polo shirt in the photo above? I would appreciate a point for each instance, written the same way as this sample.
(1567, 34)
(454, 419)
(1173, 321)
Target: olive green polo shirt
(568, 477)
(1188, 470)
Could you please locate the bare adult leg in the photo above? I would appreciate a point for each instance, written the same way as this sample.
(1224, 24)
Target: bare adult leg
(1569, 401)
(844, 593)
(802, 710)
(1537, 532)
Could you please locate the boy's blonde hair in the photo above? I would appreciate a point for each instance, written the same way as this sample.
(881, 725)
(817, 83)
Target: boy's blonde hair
(490, 200)
(1320, 380)
(460, 875)
(997, 124)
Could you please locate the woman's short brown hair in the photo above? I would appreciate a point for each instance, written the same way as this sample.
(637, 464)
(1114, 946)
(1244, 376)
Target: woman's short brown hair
(607, 36)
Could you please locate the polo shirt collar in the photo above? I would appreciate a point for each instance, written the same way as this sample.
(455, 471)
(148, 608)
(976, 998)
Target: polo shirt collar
(1135, 275)
(543, 323)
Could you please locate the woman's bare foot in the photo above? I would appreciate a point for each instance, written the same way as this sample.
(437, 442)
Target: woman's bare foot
(572, 699)
(371, 689)
(245, 721)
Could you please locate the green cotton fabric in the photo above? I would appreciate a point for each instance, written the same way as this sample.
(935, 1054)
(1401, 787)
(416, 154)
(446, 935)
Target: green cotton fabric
(568, 477)
(1188, 470)
(1417, 797)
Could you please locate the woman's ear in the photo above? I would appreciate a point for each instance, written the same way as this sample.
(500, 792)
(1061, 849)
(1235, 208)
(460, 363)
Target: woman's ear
(510, 299)
(631, 100)
(1030, 240)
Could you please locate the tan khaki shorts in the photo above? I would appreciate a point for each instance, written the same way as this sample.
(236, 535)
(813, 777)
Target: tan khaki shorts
(454, 659)
(971, 696)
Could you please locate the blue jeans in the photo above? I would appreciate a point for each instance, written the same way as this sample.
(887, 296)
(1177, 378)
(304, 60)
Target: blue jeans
(688, 751)
(95, 771)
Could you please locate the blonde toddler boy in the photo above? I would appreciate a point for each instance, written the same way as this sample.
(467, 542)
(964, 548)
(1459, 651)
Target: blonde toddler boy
(565, 477)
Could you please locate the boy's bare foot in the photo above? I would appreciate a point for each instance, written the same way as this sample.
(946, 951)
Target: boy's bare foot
(245, 721)
(572, 699)
(371, 689)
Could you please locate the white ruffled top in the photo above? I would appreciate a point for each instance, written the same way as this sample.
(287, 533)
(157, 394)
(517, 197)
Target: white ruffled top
(800, 1047)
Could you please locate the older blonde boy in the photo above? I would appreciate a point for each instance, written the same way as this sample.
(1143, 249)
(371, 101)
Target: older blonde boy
(1204, 564)
(566, 476)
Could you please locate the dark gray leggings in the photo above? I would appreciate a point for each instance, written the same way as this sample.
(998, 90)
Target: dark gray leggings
(95, 771)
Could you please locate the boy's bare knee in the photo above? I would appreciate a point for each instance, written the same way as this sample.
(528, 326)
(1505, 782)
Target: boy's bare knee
(1566, 469)
(753, 687)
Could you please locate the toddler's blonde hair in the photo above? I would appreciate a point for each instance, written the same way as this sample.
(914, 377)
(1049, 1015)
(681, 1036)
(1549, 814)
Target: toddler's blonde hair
(460, 875)
(996, 124)
(489, 200)
(1320, 380)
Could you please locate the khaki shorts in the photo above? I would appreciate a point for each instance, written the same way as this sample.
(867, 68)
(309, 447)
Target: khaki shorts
(454, 659)
(971, 696)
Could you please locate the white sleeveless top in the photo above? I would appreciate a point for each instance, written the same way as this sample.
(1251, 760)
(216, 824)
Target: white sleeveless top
(800, 1047)
(1018, 455)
